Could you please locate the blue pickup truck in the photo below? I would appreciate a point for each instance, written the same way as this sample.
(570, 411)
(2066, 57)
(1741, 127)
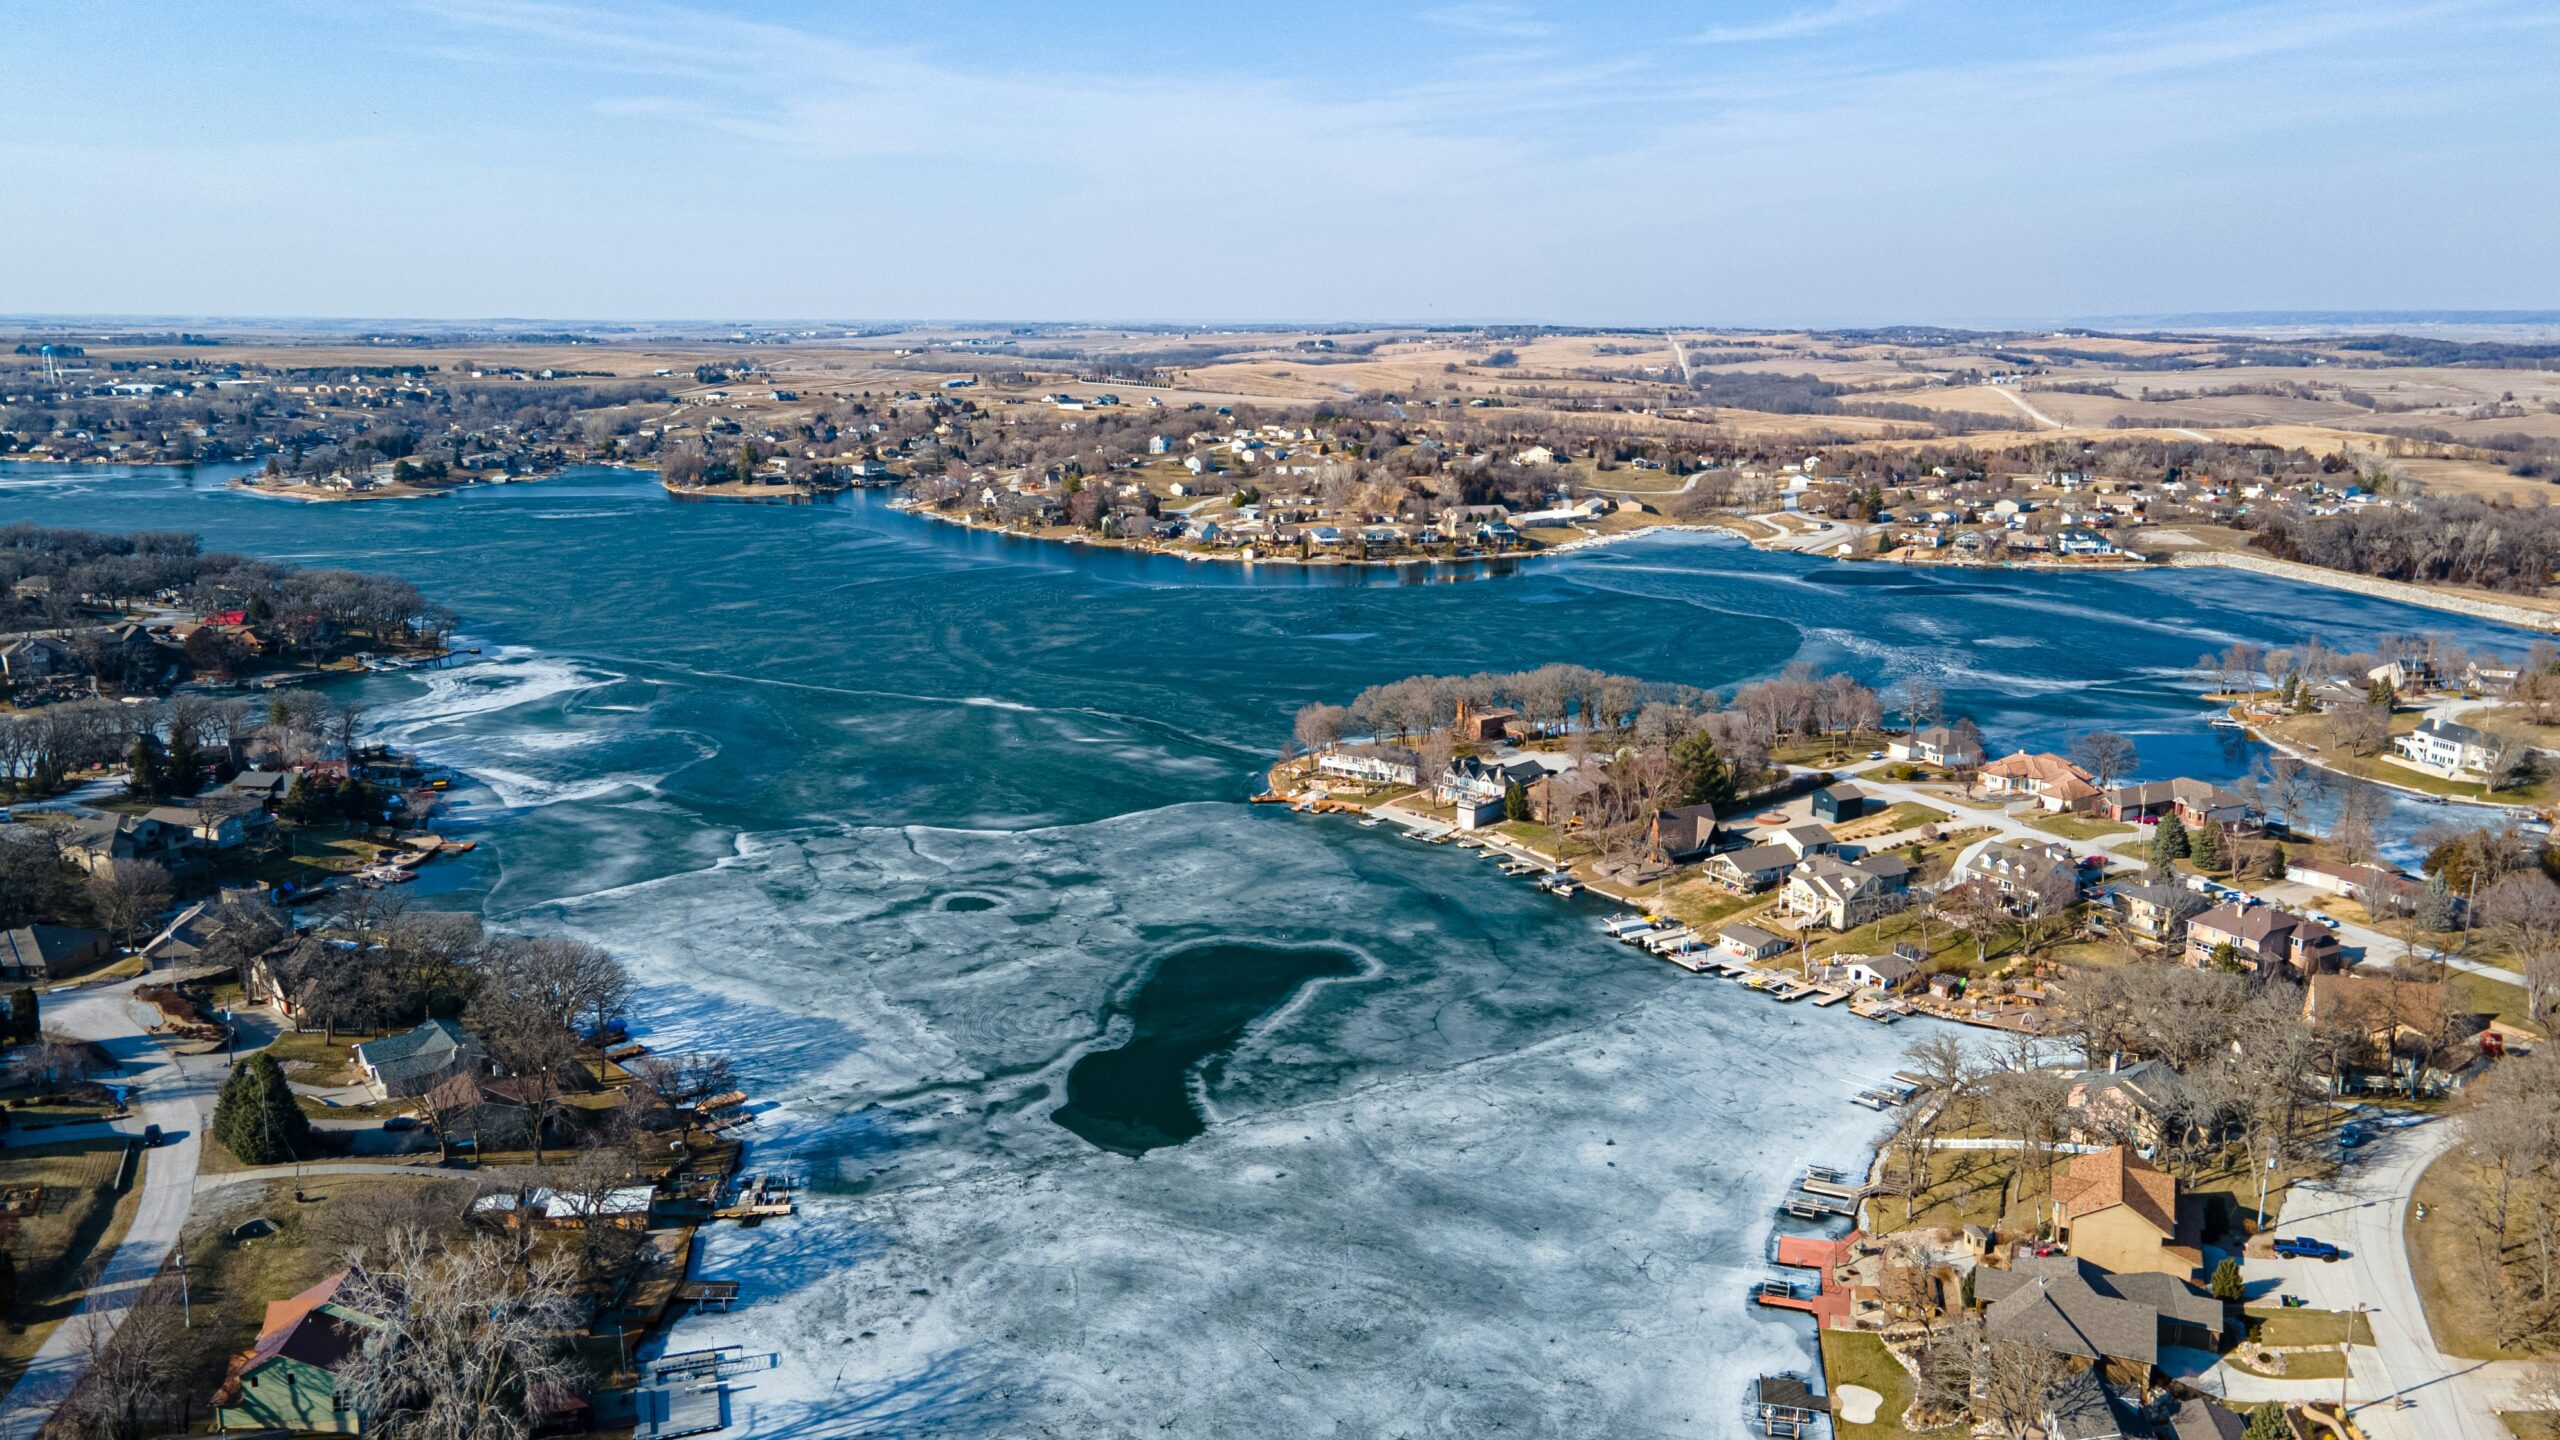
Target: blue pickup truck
(2303, 1247)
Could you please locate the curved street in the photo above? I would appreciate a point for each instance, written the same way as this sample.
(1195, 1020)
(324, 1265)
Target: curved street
(169, 1091)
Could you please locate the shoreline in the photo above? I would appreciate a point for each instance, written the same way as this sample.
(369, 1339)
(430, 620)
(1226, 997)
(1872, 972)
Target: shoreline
(2479, 607)
(2456, 602)
(2316, 763)
(1583, 540)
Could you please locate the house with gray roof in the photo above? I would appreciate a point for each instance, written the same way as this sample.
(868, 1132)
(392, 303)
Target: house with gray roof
(2075, 1308)
(414, 1062)
(46, 952)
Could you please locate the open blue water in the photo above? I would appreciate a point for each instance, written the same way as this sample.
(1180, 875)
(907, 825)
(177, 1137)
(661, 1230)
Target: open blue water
(925, 824)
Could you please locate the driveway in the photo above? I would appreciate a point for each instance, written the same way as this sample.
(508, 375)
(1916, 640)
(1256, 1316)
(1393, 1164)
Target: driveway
(2401, 1388)
(174, 1095)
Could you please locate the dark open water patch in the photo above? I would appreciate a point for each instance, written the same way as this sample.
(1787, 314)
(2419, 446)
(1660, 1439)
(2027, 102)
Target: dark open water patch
(1195, 1007)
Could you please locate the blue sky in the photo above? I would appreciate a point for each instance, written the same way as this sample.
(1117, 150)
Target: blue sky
(1739, 161)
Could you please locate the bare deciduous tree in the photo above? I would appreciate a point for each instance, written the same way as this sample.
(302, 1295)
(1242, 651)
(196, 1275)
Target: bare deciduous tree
(466, 1339)
(128, 895)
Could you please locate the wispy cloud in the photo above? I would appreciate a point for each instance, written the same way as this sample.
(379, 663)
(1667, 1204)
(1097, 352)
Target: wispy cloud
(1800, 23)
(1487, 17)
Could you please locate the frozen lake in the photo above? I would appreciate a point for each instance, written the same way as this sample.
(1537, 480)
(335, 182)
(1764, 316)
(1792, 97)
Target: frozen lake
(941, 833)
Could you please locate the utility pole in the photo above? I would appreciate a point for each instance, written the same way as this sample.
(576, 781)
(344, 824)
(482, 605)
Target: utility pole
(186, 1308)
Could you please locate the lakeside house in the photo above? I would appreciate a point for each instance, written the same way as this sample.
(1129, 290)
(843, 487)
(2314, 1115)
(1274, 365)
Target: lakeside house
(2380, 891)
(2262, 937)
(1844, 894)
(1939, 745)
(1880, 972)
(2031, 879)
(2116, 1320)
(1372, 764)
(1750, 942)
(1477, 787)
(2406, 677)
(2051, 781)
(415, 1061)
(2447, 747)
(96, 842)
(218, 822)
(1752, 869)
(2151, 916)
(1685, 834)
(2118, 1210)
(2132, 1105)
(2194, 802)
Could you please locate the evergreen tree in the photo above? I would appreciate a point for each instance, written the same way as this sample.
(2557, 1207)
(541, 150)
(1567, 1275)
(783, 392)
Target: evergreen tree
(256, 1118)
(2381, 693)
(2267, 1422)
(2226, 1282)
(186, 761)
(1515, 801)
(305, 803)
(2435, 909)
(23, 1023)
(2207, 848)
(2169, 841)
(146, 782)
(1704, 777)
(2289, 689)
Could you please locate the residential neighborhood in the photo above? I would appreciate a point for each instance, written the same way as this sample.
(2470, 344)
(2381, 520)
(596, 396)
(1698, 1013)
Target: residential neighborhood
(2076, 908)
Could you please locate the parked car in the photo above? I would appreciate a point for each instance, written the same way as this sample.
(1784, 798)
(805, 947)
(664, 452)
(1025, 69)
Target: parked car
(401, 1122)
(151, 1137)
(2303, 1247)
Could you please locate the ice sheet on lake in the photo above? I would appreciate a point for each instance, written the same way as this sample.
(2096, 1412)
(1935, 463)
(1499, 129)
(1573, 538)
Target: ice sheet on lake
(1517, 1182)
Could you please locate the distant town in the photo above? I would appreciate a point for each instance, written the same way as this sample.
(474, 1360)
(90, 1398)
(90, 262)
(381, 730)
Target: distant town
(2412, 465)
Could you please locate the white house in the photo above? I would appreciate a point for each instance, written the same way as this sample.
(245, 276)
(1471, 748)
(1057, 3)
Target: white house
(1372, 765)
(2446, 747)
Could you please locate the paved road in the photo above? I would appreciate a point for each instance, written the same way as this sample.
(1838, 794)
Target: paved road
(174, 1095)
(2401, 1388)
(205, 1184)
(2031, 412)
(1818, 534)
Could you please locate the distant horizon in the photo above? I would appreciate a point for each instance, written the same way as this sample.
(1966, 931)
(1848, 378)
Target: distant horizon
(2344, 319)
(1618, 164)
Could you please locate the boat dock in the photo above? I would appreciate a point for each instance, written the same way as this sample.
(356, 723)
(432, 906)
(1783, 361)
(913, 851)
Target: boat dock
(1786, 1407)
(1887, 1095)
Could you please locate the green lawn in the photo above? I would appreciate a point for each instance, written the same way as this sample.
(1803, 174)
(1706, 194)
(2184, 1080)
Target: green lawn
(1854, 1357)
(2275, 1325)
(80, 1214)
(308, 1057)
(2079, 827)
(1542, 838)
(2304, 1365)
(1904, 815)
(2482, 995)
